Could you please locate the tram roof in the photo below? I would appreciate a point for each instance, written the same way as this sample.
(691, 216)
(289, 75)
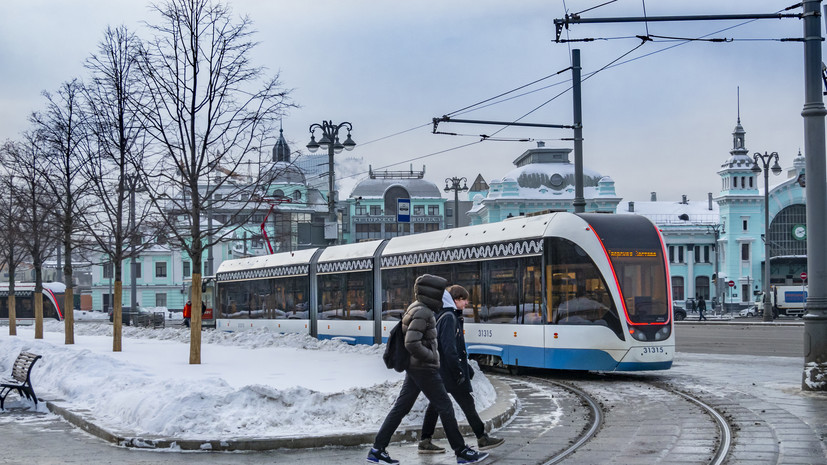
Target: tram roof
(509, 230)
(266, 261)
(349, 251)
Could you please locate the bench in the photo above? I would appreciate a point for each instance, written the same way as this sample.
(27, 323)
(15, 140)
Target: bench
(20, 381)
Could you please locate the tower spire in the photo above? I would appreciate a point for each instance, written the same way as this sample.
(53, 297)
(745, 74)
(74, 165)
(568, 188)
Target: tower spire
(739, 103)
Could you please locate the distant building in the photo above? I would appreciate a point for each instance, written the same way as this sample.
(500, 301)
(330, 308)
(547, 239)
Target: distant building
(711, 245)
(371, 210)
(543, 180)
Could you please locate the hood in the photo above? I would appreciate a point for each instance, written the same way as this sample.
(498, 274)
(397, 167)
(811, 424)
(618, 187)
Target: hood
(448, 301)
(429, 290)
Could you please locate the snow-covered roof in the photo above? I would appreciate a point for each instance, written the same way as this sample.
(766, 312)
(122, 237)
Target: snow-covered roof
(670, 212)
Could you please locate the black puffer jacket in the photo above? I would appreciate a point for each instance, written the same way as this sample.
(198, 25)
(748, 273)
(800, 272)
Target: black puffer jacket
(419, 324)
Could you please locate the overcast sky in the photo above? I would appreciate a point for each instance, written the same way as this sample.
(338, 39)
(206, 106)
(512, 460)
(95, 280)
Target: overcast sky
(661, 122)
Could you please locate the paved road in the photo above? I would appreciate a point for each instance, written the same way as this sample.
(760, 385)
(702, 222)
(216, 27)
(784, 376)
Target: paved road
(747, 337)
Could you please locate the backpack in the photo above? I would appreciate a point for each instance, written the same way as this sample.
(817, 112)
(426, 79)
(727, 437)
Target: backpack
(396, 356)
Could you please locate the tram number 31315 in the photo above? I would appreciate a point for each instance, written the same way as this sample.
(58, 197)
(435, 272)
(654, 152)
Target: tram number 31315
(652, 350)
(485, 333)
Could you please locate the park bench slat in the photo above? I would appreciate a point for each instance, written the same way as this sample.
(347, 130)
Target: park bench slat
(21, 371)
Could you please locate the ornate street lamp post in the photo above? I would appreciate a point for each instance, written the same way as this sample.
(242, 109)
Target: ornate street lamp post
(776, 170)
(330, 141)
(716, 229)
(455, 186)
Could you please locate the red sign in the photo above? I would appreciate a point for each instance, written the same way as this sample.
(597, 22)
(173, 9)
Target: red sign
(731, 284)
(803, 276)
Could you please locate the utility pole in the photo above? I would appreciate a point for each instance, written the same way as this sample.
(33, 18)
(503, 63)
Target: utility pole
(814, 376)
(579, 202)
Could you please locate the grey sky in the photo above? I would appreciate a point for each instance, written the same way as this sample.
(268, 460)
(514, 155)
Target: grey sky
(660, 123)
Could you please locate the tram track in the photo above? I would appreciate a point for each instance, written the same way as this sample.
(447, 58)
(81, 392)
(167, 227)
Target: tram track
(632, 416)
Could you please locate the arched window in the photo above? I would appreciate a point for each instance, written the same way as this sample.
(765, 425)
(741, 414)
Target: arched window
(702, 286)
(297, 195)
(392, 195)
(677, 287)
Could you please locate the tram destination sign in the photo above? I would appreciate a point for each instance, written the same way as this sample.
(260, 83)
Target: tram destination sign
(633, 253)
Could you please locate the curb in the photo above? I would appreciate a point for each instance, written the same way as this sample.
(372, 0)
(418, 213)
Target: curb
(495, 416)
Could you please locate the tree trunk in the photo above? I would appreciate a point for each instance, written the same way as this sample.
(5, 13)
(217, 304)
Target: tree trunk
(117, 316)
(195, 321)
(12, 310)
(69, 314)
(38, 313)
(69, 297)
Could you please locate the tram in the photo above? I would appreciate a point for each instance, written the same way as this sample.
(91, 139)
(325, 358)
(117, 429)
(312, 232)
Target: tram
(24, 302)
(560, 290)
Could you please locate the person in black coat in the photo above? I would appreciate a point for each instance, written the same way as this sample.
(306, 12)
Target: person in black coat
(422, 375)
(455, 372)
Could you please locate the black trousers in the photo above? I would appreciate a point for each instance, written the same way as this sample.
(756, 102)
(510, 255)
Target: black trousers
(429, 383)
(466, 402)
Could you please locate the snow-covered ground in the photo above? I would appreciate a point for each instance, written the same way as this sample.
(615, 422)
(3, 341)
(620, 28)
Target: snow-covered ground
(249, 384)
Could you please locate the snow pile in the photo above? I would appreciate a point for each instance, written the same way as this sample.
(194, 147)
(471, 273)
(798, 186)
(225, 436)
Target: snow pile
(249, 384)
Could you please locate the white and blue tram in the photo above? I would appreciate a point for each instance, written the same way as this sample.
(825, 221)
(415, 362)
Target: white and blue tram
(561, 290)
(53, 294)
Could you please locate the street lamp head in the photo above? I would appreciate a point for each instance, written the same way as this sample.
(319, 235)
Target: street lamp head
(313, 145)
(337, 146)
(755, 168)
(776, 168)
(349, 144)
(324, 142)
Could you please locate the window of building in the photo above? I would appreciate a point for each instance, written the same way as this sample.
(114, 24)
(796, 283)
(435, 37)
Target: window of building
(160, 269)
(671, 254)
(107, 270)
(702, 286)
(706, 253)
(750, 182)
(677, 287)
(698, 254)
(361, 210)
(419, 210)
(745, 252)
(160, 299)
(680, 254)
(375, 210)
(297, 195)
(187, 269)
(433, 210)
(744, 225)
(137, 269)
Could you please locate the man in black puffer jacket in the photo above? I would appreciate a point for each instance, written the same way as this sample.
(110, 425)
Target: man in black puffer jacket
(419, 328)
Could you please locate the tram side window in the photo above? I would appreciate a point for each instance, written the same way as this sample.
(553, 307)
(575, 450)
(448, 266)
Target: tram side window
(468, 275)
(578, 294)
(503, 292)
(397, 290)
(531, 297)
(346, 296)
(246, 299)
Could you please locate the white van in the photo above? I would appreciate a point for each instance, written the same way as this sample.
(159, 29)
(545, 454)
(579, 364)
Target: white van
(789, 300)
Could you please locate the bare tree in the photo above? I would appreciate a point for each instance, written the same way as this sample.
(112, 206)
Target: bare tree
(117, 145)
(36, 203)
(12, 253)
(207, 107)
(63, 128)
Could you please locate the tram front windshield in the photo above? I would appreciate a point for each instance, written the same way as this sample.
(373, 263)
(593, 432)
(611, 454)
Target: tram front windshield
(636, 253)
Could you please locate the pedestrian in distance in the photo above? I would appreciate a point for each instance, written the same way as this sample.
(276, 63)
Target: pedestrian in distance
(422, 375)
(187, 313)
(455, 372)
(701, 308)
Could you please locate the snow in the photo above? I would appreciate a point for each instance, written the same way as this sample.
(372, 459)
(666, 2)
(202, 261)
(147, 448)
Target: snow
(249, 384)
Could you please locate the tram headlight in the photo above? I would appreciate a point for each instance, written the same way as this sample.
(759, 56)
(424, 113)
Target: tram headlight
(637, 334)
(663, 333)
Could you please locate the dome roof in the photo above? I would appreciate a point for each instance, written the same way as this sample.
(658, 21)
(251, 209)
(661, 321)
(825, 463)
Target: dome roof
(376, 187)
(550, 168)
(285, 173)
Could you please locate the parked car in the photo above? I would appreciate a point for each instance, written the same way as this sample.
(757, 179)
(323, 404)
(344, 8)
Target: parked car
(678, 312)
(127, 314)
(749, 312)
